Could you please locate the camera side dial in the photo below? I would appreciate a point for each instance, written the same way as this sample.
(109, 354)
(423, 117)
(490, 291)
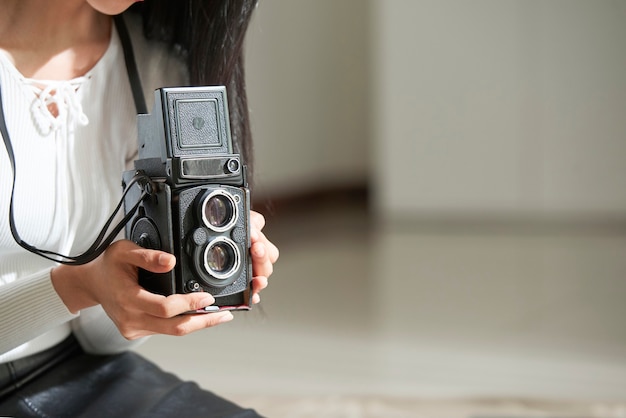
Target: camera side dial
(145, 234)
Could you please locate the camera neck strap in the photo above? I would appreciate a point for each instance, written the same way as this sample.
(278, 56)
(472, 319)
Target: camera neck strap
(103, 240)
(131, 65)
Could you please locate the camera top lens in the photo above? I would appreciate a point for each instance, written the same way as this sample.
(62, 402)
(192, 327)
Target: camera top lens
(219, 211)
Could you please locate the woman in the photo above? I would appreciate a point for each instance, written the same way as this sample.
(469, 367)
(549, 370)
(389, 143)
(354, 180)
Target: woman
(70, 112)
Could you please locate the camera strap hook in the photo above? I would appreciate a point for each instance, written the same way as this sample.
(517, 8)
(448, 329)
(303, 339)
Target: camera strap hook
(143, 181)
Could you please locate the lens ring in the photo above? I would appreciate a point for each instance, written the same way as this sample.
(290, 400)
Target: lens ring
(221, 258)
(219, 211)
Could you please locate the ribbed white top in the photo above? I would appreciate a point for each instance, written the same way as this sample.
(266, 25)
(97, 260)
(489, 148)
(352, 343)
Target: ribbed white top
(68, 181)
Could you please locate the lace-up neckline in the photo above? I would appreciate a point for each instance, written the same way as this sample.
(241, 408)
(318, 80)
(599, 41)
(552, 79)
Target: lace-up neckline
(57, 104)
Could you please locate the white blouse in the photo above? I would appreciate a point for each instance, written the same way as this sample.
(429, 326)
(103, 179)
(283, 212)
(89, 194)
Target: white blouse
(67, 183)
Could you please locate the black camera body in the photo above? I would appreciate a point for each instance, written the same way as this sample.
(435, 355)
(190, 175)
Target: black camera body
(198, 203)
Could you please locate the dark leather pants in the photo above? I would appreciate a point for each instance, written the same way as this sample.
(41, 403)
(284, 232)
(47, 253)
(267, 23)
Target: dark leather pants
(66, 382)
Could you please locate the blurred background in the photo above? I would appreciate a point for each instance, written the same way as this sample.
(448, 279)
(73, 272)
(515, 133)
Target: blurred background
(445, 182)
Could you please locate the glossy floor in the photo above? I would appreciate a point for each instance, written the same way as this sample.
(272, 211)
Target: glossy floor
(436, 320)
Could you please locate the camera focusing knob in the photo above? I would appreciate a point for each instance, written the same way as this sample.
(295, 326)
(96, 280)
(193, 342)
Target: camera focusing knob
(199, 236)
(239, 235)
(145, 234)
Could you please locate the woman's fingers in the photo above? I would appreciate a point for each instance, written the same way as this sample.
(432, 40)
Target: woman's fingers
(257, 220)
(258, 283)
(264, 254)
(270, 248)
(261, 264)
(258, 223)
(161, 306)
(186, 324)
(152, 260)
(178, 326)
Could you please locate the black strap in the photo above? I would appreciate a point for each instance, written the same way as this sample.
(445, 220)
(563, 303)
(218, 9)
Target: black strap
(131, 66)
(103, 240)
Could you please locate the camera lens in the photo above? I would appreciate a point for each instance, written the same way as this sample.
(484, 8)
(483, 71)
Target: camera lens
(221, 258)
(219, 211)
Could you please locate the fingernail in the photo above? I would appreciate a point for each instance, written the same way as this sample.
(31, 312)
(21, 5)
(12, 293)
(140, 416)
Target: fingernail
(165, 259)
(208, 301)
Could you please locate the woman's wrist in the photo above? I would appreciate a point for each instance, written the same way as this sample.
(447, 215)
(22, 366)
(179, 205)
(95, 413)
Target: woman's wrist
(69, 283)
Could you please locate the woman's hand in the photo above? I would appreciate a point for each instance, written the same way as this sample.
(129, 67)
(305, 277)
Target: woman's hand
(264, 255)
(111, 281)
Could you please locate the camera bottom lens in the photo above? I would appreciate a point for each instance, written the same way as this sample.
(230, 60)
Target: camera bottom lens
(221, 258)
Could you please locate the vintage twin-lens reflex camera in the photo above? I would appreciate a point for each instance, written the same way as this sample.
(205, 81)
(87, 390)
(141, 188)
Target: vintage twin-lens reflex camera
(195, 202)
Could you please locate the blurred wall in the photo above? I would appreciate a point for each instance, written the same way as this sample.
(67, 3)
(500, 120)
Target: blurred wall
(308, 84)
(500, 107)
(487, 106)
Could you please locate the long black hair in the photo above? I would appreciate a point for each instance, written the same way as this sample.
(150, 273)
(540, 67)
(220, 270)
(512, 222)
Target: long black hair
(209, 34)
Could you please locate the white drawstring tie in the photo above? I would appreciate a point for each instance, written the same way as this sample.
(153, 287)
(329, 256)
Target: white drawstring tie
(61, 96)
